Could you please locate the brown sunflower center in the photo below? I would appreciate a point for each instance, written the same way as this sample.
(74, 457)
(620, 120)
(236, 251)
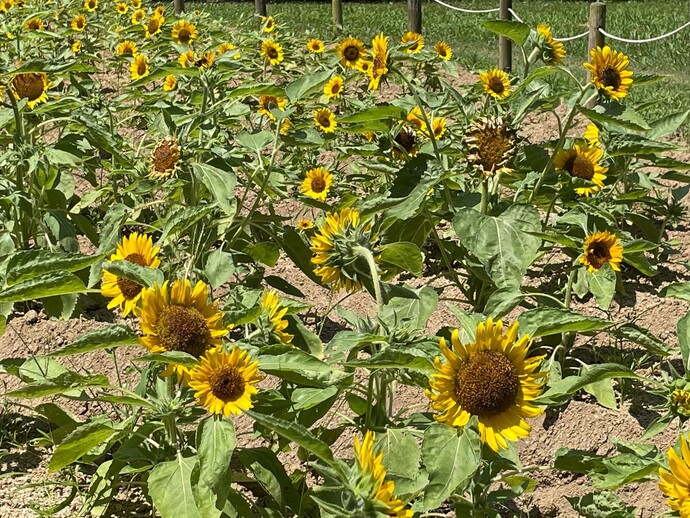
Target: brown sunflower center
(29, 85)
(131, 289)
(325, 120)
(611, 77)
(598, 254)
(580, 167)
(487, 384)
(272, 52)
(181, 328)
(152, 25)
(34, 24)
(80, 23)
(413, 45)
(406, 139)
(165, 157)
(92, 4)
(184, 35)
(318, 184)
(335, 88)
(442, 52)
(496, 85)
(227, 384)
(493, 146)
(141, 67)
(351, 53)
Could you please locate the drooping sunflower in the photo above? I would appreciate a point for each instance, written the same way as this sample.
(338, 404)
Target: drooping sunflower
(126, 48)
(371, 465)
(274, 312)
(492, 379)
(333, 88)
(165, 158)
(413, 42)
(135, 248)
(335, 249)
(272, 52)
(90, 5)
(224, 383)
(351, 52)
(324, 119)
(31, 86)
(121, 8)
(591, 135)
(583, 161)
(139, 67)
(268, 24)
(170, 83)
(79, 23)
(180, 318)
(153, 25)
(317, 183)
(405, 143)
(315, 46)
(34, 24)
(609, 71)
(269, 102)
(443, 50)
(183, 32)
(138, 16)
(305, 224)
(553, 51)
(601, 248)
(675, 482)
(76, 46)
(496, 83)
(379, 65)
(491, 143)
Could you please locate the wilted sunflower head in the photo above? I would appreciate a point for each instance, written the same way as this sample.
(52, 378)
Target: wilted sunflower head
(351, 52)
(34, 24)
(139, 67)
(183, 32)
(324, 119)
(138, 16)
(496, 83)
(609, 71)
(336, 247)
(272, 52)
(404, 144)
(31, 86)
(315, 46)
(165, 158)
(443, 50)
(153, 25)
(333, 88)
(491, 143)
(583, 162)
(674, 481)
(317, 183)
(121, 8)
(90, 5)
(413, 42)
(271, 102)
(601, 248)
(553, 51)
(268, 24)
(379, 62)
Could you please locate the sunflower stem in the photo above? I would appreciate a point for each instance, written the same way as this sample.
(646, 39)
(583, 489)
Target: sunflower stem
(485, 196)
(373, 271)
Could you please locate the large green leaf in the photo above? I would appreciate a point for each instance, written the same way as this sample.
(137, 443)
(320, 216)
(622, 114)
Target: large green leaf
(306, 398)
(183, 218)
(306, 84)
(563, 389)
(404, 255)
(394, 359)
(298, 366)
(220, 183)
(676, 290)
(299, 252)
(171, 358)
(28, 264)
(602, 284)
(601, 505)
(643, 337)
(513, 30)
(683, 331)
(551, 321)
(64, 383)
(375, 114)
(79, 442)
(45, 285)
(112, 336)
(401, 458)
(170, 488)
(142, 275)
(667, 125)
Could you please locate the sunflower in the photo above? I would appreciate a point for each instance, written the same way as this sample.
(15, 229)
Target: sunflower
(443, 50)
(496, 83)
(364, 66)
(187, 58)
(205, 60)
(272, 52)
(139, 67)
(305, 224)
(351, 52)
(31, 86)
(136, 4)
(404, 144)
(416, 119)
(324, 119)
(591, 135)
(138, 16)
(34, 24)
(582, 162)
(413, 42)
(79, 23)
(317, 183)
(553, 50)
(334, 246)
(76, 46)
(268, 24)
(370, 464)
(681, 401)
(491, 379)
(379, 66)
(609, 71)
(135, 248)
(153, 25)
(183, 32)
(333, 88)
(315, 46)
(170, 83)
(121, 8)
(601, 248)
(675, 482)
(90, 5)
(269, 102)
(491, 145)
(6, 5)
(286, 126)
(159, 11)
(271, 308)
(227, 47)
(180, 318)
(438, 127)
(126, 48)
(224, 383)
(165, 158)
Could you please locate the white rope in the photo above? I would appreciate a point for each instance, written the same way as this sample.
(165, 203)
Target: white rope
(515, 15)
(646, 40)
(571, 38)
(471, 11)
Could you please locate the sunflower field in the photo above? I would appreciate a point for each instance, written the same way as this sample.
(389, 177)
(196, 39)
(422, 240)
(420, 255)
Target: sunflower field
(329, 278)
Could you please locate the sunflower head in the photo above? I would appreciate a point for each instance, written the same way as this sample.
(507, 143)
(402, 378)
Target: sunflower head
(496, 83)
(351, 52)
(126, 48)
(271, 102)
(227, 47)
(491, 143)
(138, 16)
(583, 163)
(34, 24)
(553, 51)
(317, 183)
(187, 58)
(139, 67)
(273, 313)
(159, 11)
(491, 379)
(205, 60)
(680, 398)
(90, 5)
(336, 245)
(136, 4)
(153, 25)
(601, 248)
(333, 88)
(324, 119)
(170, 83)
(413, 42)
(591, 135)
(183, 32)
(438, 127)
(364, 66)
(674, 481)
(405, 143)
(609, 72)
(315, 46)
(31, 86)
(78, 23)
(379, 62)
(415, 118)
(305, 224)
(272, 52)
(125, 294)
(268, 24)
(121, 8)
(76, 46)
(165, 158)
(443, 51)
(286, 126)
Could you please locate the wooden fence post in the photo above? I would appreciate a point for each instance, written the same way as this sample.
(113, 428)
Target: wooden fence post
(414, 16)
(597, 20)
(179, 6)
(505, 47)
(260, 7)
(338, 15)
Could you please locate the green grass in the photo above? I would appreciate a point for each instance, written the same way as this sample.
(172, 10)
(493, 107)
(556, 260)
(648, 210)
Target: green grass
(476, 48)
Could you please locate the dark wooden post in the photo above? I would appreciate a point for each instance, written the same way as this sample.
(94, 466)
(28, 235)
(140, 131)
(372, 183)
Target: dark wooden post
(260, 6)
(338, 15)
(414, 16)
(179, 6)
(597, 20)
(505, 46)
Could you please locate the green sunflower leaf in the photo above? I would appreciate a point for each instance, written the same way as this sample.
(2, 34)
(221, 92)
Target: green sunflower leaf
(112, 336)
(141, 275)
(79, 442)
(550, 321)
(45, 285)
(513, 30)
(28, 264)
(170, 488)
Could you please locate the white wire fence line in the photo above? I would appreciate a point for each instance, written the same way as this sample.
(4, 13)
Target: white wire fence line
(569, 38)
